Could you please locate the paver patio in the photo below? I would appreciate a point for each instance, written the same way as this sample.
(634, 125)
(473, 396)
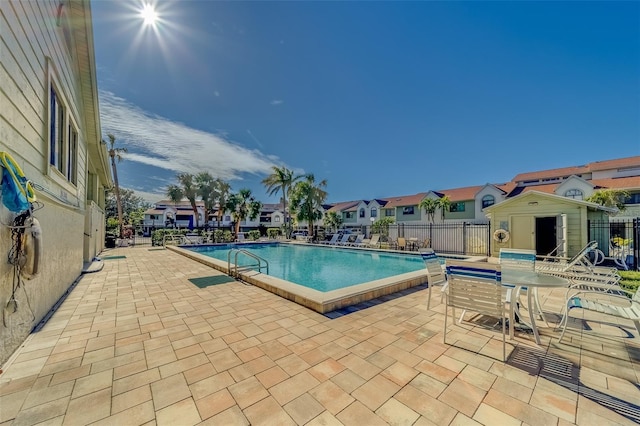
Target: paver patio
(138, 343)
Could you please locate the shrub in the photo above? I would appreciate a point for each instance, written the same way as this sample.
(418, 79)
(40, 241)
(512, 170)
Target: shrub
(253, 235)
(630, 280)
(273, 233)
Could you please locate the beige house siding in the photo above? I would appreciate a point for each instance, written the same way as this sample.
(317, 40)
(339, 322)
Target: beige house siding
(35, 54)
(523, 211)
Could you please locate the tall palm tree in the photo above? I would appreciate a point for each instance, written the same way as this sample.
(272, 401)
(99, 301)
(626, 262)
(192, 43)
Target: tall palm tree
(429, 205)
(224, 191)
(307, 198)
(207, 190)
(444, 203)
(187, 189)
(243, 206)
(116, 154)
(281, 180)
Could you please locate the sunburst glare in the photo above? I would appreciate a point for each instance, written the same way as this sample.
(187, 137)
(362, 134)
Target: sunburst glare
(149, 15)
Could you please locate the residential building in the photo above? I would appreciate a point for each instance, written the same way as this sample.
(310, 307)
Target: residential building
(50, 126)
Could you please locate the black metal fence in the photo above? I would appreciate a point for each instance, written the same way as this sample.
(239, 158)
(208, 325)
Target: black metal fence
(617, 240)
(455, 238)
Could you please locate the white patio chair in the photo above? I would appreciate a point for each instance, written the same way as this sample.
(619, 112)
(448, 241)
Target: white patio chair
(557, 265)
(375, 241)
(524, 260)
(476, 287)
(343, 240)
(619, 306)
(436, 275)
(356, 242)
(333, 240)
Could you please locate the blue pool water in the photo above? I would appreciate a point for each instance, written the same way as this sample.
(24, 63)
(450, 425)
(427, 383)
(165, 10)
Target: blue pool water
(320, 268)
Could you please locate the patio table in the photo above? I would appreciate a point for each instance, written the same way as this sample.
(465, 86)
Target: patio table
(532, 281)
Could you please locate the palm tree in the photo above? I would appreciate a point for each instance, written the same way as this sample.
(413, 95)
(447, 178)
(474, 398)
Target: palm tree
(429, 205)
(444, 203)
(332, 220)
(282, 179)
(243, 206)
(609, 198)
(207, 190)
(116, 154)
(224, 190)
(187, 189)
(307, 198)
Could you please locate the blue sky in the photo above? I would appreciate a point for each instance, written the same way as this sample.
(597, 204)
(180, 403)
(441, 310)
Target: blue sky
(379, 98)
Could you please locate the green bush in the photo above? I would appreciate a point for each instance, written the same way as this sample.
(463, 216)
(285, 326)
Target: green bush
(630, 280)
(253, 235)
(273, 233)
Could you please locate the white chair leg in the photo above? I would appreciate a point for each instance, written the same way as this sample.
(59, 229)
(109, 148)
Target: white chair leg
(564, 323)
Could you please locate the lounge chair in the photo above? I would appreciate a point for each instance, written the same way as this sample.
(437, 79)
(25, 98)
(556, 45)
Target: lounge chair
(475, 286)
(375, 241)
(620, 306)
(402, 243)
(332, 241)
(578, 263)
(343, 240)
(436, 275)
(192, 239)
(357, 241)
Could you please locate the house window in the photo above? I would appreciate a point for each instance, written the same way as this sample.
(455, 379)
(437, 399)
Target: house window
(457, 207)
(575, 194)
(361, 212)
(388, 212)
(63, 138)
(276, 219)
(348, 215)
(72, 158)
(56, 136)
(374, 212)
(407, 210)
(227, 218)
(488, 200)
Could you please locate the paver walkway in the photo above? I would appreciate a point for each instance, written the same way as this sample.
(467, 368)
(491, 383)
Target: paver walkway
(138, 343)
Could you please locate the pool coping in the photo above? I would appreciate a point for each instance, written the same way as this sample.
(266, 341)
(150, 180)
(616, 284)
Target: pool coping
(319, 301)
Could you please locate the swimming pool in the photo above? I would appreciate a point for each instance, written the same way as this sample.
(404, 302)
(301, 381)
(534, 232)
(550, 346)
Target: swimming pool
(320, 301)
(320, 268)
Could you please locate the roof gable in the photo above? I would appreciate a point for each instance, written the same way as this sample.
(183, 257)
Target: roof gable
(551, 197)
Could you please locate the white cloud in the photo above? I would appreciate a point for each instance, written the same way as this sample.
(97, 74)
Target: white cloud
(276, 102)
(173, 146)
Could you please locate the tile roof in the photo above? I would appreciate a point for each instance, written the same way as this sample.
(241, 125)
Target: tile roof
(631, 182)
(615, 164)
(180, 204)
(577, 170)
(405, 200)
(461, 194)
(343, 206)
(551, 173)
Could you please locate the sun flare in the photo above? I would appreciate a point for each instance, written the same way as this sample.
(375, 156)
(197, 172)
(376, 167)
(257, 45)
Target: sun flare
(149, 15)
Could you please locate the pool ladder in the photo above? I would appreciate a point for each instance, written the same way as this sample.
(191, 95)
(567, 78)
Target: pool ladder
(235, 272)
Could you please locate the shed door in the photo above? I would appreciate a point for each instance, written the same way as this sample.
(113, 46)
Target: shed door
(522, 232)
(562, 239)
(546, 234)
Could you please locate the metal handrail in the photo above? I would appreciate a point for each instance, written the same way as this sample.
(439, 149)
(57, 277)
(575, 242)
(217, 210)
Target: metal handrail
(235, 272)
